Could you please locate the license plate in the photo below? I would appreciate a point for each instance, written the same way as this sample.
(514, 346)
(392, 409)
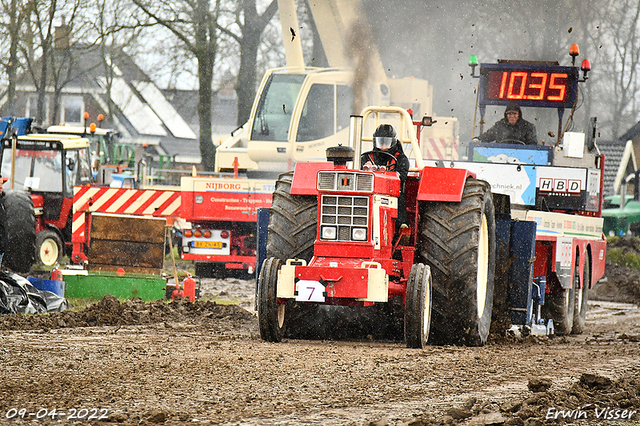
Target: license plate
(208, 244)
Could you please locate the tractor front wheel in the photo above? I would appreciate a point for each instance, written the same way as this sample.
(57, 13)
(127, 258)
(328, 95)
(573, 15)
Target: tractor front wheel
(458, 242)
(48, 248)
(20, 249)
(582, 297)
(417, 310)
(271, 314)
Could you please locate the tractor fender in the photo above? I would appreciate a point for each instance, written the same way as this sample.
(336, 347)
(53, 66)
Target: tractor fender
(442, 184)
(305, 177)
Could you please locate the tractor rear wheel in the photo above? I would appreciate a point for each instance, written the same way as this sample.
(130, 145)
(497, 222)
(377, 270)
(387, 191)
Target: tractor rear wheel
(560, 306)
(48, 248)
(417, 309)
(271, 314)
(292, 233)
(292, 222)
(582, 297)
(458, 242)
(20, 249)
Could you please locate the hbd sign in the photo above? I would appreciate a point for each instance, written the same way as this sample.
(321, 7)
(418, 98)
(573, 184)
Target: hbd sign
(559, 185)
(565, 188)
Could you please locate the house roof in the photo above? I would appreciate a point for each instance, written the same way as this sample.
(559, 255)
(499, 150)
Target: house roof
(612, 151)
(145, 115)
(630, 134)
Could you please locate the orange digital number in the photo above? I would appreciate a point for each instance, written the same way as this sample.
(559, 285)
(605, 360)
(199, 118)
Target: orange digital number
(523, 85)
(540, 86)
(561, 87)
(503, 84)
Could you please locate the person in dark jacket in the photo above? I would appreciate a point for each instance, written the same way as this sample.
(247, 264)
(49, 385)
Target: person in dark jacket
(3, 221)
(511, 128)
(385, 140)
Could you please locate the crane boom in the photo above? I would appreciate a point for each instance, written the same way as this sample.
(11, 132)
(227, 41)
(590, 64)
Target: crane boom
(290, 33)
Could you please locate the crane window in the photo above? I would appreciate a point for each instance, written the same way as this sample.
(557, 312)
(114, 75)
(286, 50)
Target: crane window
(275, 108)
(344, 101)
(318, 115)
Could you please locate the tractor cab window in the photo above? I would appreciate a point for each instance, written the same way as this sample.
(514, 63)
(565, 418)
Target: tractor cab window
(36, 170)
(275, 107)
(78, 169)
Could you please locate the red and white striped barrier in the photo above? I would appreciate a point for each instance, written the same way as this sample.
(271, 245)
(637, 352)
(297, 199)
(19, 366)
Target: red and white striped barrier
(439, 148)
(139, 202)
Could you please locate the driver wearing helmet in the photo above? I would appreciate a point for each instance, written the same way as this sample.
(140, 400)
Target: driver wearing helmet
(385, 141)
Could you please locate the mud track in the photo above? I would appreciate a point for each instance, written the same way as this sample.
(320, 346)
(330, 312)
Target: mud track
(204, 363)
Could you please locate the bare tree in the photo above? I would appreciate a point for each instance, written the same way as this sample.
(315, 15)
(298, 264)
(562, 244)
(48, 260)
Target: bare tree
(194, 23)
(115, 29)
(13, 9)
(249, 25)
(617, 44)
(62, 56)
(40, 20)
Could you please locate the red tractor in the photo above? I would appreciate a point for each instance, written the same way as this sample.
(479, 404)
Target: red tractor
(47, 166)
(332, 240)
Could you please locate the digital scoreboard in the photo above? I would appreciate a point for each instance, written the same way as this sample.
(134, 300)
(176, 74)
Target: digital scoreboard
(530, 85)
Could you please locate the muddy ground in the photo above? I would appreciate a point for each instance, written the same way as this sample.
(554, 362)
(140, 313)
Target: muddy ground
(204, 363)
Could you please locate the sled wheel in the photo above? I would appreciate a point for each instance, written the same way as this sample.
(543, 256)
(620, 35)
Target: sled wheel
(458, 242)
(560, 306)
(417, 310)
(20, 248)
(582, 297)
(271, 314)
(48, 248)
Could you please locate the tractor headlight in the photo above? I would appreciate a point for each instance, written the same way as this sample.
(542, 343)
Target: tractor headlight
(329, 232)
(359, 234)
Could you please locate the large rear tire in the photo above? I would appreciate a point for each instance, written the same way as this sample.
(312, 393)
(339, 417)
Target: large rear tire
(292, 222)
(21, 231)
(292, 233)
(417, 310)
(560, 306)
(458, 242)
(271, 314)
(48, 248)
(582, 297)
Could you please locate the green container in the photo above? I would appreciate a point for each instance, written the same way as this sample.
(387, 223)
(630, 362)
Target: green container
(96, 285)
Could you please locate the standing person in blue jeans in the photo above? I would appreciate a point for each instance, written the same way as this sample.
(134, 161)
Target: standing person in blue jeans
(3, 221)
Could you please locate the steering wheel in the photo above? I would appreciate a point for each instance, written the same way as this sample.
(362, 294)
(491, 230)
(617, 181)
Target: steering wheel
(514, 141)
(392, 162)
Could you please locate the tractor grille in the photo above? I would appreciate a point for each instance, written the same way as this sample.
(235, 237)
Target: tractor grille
(345, 216)
(345, 181)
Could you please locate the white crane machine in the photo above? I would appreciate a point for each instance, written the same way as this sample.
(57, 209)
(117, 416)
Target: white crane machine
(298, 112)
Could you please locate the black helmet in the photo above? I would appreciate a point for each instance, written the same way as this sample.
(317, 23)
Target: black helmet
(385, 137)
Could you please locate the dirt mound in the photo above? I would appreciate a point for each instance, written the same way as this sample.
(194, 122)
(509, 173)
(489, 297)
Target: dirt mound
(111, 312)
(593, 399)
(622, 282)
